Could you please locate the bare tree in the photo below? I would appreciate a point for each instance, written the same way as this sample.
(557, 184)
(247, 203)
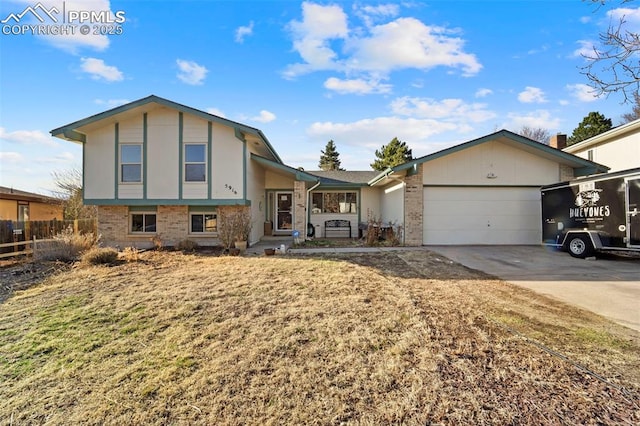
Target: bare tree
(635, 111)
(69, 184)
(613, 65)
(537, 134)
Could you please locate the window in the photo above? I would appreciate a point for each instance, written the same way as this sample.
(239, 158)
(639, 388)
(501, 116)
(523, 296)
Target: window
(131, 163)
(203, 222)
(334, 202)
(195, 163)
(143, 222)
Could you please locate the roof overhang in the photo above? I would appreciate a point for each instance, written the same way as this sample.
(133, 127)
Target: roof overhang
(280, 168)
(631, 127)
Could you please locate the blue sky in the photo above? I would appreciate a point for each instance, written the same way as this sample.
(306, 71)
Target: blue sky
(433, 74)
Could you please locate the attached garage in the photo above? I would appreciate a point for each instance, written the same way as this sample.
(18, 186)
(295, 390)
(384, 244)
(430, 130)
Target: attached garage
(485, 191)
(481, 215)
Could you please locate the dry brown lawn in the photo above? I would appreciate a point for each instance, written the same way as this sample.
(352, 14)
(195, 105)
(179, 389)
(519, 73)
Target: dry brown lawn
(394, 338)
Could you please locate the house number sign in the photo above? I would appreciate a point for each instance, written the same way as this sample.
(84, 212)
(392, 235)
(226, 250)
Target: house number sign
(230, 188)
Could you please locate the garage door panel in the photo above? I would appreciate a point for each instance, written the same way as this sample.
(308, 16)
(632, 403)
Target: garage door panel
(481, 215)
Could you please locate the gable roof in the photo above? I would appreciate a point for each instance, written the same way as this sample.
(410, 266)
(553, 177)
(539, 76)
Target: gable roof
(343, 178)
(630, 127)
(581, 166)
(71, 131)
(280, 167)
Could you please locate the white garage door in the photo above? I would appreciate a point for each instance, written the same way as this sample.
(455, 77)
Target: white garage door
(480, 215)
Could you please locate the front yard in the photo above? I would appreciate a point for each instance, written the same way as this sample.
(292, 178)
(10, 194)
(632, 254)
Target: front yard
(403, 338)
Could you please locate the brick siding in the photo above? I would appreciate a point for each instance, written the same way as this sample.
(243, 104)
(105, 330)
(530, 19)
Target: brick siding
(413, 208)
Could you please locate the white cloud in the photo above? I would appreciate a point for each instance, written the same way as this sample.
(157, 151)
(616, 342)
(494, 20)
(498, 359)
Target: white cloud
(111, 103)
(381, 10)
(74, 42)
(242, 32)
(586, 49)
(542, 119)
(216, 111)
(481, 93)
(582, 92)
(356, 86)
(532, 95)
(27, 137)
(630, 16)
(447, 109)
(11, 157)
(100, 71)
(403, 43)
(190, 72)
(264, 117)
(374, 132)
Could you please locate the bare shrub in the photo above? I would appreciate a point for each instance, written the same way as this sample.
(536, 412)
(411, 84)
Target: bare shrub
(130, 254)
(66, 246)
(158, 242)
(187, 245)
(100, 256)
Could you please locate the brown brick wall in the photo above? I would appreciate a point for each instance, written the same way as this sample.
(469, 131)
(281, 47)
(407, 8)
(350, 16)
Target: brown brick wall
(413, 208)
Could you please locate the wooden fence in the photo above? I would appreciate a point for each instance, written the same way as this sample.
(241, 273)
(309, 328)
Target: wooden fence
(16, 232)
(21, 248)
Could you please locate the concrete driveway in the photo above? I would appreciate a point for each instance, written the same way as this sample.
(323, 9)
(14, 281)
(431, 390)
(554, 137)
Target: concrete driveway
(608, 286)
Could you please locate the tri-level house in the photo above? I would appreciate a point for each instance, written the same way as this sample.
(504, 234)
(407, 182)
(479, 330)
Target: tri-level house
(157, 168)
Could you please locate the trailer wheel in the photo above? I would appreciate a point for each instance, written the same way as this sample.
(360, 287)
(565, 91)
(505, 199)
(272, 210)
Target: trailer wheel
(580, 246)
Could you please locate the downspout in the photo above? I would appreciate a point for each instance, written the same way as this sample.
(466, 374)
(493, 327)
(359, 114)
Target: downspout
(306, 216)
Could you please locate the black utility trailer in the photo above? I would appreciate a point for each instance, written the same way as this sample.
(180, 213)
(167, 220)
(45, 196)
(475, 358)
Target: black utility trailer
(587, 215)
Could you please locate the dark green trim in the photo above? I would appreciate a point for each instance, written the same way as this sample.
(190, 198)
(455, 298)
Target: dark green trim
(202, 209)
(74, 136)
(238, 134)
(144, 155)
(116, 179)
(342, 186)
(297, 174)
(180, 153)
(209, 157)
(168, 202)
(146, 208)
(78, 137)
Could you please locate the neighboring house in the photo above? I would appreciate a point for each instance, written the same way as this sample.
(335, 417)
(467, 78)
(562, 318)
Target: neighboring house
(156, 168)
(23, 206)
(618, 148)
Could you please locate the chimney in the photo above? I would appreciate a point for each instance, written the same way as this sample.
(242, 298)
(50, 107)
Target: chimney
(558, 141)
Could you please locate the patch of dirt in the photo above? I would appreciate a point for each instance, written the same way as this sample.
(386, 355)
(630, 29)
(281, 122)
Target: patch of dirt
(22, 275)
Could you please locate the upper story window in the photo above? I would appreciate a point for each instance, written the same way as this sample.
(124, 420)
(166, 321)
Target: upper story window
(334, 202)
(131, 163)
(195, 163)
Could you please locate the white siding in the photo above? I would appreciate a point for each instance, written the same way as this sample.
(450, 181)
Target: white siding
(508, 166)
(255, 192)
(163, 154)
(393, 203)
(227, 180)
(621, 154)
(370, 204)
(454, 215)
(100, 163)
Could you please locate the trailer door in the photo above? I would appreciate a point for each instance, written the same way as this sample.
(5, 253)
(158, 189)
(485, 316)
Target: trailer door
(633, 212)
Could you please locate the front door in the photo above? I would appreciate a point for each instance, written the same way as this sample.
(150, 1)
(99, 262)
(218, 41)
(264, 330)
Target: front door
(633, 212)
(284, 211)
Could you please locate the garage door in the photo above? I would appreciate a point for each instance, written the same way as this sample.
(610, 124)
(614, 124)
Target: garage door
(481, 215)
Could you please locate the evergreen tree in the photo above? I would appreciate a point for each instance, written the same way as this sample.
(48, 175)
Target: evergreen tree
(592, 125)
(329, 160)
(392, 154)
